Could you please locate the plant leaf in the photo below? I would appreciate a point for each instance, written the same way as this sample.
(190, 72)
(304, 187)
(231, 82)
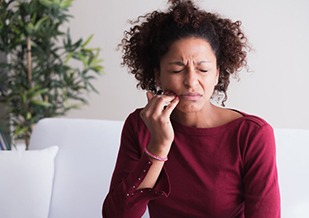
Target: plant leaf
(87, 41)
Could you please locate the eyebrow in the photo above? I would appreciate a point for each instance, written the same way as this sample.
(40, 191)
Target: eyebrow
(180, 63)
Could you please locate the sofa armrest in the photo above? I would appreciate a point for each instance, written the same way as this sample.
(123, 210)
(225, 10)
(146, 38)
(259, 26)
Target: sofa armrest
(84, 164)
(293, 164)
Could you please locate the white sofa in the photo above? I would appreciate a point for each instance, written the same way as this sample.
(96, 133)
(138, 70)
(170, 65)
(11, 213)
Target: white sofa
(87, 154)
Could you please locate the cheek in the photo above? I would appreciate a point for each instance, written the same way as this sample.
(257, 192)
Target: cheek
(213, 81)
(167, 81)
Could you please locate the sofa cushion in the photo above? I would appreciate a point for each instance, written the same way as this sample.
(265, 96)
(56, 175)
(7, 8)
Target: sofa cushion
(293, 162)
(84, 164)
(26, 179)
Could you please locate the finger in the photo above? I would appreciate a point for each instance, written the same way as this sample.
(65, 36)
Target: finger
(150, 107)
(171, 106)
(157, 103)
(149, 95)
(166, 99)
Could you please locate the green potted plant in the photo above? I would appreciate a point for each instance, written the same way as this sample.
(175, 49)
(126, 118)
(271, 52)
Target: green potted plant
(46, 73)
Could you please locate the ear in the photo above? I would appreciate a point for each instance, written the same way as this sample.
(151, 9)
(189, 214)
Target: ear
(217, 75)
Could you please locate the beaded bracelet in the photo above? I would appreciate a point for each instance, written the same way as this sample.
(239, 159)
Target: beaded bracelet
(155, 156)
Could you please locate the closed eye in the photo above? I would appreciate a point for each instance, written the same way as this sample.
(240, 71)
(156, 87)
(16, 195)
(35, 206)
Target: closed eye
(203, 71)
(177, 71)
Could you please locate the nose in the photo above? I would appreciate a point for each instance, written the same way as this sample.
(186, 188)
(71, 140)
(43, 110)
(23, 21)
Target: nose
(191, 77)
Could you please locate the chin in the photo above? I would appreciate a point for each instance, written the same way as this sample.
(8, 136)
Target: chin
(189, 107)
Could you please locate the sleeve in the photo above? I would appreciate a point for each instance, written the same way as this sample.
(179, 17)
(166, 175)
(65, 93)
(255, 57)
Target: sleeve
(262, 196)
(123, 199)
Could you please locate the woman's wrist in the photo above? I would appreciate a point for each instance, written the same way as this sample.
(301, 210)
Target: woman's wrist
(156, 157)
(157, 152)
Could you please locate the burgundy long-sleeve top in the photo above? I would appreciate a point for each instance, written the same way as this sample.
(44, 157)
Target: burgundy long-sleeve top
(222, 172)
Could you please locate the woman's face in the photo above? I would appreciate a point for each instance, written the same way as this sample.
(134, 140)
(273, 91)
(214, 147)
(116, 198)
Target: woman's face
(189, 69)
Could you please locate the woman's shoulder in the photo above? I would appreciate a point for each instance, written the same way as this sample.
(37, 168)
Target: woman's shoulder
(134, 115)
(134, 119)
(254, 125)
(236, 117)
(253, 119)
(243, 123)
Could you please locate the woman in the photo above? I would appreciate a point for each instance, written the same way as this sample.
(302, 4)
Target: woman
(182, 155)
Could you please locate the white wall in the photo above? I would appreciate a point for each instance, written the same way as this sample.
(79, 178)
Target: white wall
(275, 88)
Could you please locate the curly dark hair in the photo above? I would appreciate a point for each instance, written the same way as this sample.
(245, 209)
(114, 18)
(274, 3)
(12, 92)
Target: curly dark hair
(152, 34)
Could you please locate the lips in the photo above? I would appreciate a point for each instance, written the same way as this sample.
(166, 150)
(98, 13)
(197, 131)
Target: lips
(191, 96)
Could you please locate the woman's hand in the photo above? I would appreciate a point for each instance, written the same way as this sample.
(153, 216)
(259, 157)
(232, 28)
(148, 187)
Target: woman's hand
(156, 116)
